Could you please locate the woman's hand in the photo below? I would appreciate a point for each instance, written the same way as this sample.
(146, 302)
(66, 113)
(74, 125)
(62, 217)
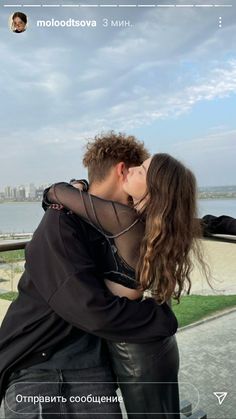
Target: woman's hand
(81, 184)
(56, 206)
(78, 185)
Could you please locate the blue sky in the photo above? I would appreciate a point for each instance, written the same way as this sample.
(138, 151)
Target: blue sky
(170, 79)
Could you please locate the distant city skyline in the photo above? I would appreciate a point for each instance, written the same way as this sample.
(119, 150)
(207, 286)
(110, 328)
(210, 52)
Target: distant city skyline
(170, 80)
(30, 191)
(21, 192)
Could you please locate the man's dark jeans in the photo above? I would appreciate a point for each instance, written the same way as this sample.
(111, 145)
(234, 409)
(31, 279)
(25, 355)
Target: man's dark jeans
(70, 393)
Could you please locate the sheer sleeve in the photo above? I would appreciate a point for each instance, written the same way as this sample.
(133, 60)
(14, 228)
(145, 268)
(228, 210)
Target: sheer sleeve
(112, 218)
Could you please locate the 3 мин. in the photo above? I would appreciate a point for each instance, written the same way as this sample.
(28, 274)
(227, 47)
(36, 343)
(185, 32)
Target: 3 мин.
(117, 23)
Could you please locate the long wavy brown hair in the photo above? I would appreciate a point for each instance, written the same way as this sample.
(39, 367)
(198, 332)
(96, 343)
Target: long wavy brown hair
(172, 230)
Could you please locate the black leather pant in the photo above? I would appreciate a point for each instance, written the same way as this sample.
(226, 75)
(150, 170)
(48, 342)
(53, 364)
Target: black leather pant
(148, 378)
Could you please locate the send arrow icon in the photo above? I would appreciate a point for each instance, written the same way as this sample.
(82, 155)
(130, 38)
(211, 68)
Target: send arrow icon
(220, 396)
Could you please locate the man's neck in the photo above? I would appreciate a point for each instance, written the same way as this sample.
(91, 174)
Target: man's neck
(106, 190)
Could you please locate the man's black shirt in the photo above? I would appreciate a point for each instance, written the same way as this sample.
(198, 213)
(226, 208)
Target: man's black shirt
(62, 298)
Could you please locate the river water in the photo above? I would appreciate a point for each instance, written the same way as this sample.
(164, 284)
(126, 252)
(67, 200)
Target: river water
(23, 217)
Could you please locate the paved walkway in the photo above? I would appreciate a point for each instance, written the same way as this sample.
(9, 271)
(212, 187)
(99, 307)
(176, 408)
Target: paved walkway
(4, 304)
(207, 359)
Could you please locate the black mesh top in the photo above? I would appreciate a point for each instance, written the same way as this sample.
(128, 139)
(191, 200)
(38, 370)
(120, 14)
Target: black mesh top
(120, 224)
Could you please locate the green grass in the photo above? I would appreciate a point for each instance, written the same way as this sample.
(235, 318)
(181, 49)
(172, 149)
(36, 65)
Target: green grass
(195, 307)
(191, 308)
(11, 296)
(12, 256)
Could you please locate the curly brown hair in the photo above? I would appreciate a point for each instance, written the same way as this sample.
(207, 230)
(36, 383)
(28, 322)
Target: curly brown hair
(109, 149)
(172, 230)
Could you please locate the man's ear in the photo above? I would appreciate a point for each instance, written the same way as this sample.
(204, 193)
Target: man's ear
(121, 170)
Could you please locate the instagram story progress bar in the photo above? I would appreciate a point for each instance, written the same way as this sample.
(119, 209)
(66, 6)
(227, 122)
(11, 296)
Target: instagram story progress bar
(116, 5)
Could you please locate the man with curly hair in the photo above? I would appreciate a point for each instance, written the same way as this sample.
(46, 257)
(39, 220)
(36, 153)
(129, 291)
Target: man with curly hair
(107, 150)
(52, 355)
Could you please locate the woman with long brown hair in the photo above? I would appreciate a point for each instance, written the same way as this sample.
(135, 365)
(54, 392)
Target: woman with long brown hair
(149, 245)
(18, 22)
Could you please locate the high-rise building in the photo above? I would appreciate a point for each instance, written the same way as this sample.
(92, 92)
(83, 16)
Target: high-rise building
(32, 191)
(39, 193)
(14, 193)
(8, 192)
(21, 193)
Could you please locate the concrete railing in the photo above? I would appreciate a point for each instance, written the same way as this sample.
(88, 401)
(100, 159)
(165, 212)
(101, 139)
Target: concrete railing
(6, 245)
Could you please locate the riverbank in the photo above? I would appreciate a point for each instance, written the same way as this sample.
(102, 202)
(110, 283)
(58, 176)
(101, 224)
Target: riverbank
(200, 198)
(15, 236)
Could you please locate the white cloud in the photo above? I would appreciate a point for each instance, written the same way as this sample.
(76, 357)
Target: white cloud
(212, 142)
(60, 87)
(93, 94)
(211, 157)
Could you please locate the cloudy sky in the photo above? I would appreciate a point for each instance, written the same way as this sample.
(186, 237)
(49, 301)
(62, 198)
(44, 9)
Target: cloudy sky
(169, 79)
